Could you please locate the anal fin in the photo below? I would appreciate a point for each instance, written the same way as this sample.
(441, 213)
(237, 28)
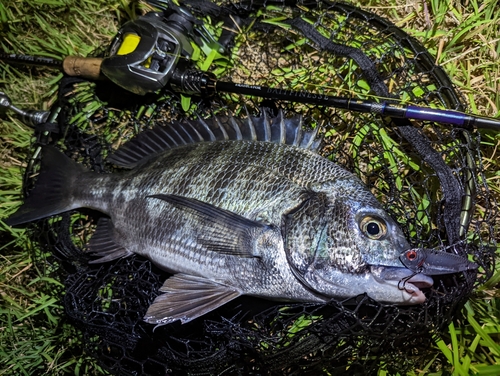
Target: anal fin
(103, 243)
(187, 297)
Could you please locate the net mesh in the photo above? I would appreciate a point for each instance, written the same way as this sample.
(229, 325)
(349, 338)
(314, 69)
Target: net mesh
(249, 335)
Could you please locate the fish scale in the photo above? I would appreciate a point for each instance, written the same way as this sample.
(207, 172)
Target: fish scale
(245, 211)
(198, 181)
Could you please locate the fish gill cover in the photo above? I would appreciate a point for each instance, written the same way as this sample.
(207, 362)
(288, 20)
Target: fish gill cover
(426, 175)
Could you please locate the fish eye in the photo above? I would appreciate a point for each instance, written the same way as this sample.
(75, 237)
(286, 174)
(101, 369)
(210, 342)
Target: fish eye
(373, 228)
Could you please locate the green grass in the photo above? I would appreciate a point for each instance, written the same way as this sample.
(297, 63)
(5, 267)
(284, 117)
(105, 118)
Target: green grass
(35, 337)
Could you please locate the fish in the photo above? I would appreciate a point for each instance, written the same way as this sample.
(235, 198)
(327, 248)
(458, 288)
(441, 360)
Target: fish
(235, 206)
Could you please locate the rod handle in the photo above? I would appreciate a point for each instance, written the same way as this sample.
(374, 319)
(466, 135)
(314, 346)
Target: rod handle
(86, 67)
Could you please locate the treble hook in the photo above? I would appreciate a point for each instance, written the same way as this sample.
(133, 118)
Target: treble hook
(404, 280)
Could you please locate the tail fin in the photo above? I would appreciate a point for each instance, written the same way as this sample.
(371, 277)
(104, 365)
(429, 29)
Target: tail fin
(53, 189)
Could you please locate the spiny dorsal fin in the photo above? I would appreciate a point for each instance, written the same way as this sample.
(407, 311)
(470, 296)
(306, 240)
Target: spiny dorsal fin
(261, 128)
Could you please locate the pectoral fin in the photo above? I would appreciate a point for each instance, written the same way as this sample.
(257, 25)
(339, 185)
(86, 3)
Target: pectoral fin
(187, 297)
(220, 230)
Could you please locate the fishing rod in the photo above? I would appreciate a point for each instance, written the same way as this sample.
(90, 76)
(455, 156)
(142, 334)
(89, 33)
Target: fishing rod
(77, 66)
(203, 83)
(151, 52)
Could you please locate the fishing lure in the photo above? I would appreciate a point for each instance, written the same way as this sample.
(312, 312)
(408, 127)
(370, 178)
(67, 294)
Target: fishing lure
(434, 262)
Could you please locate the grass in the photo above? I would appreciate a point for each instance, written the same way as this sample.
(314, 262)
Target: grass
(34, 335)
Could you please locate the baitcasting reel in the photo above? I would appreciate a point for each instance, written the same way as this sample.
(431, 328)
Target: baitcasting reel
(145, 52)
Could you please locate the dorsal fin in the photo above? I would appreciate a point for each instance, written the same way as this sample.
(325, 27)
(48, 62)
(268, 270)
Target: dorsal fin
(261, 128)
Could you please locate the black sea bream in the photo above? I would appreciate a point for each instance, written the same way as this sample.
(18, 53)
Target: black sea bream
(234, 207)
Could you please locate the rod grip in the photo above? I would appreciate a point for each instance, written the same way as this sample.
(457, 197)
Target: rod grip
(86, 67)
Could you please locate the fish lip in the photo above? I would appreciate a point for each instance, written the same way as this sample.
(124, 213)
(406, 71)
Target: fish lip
(421, 281)
(404, 279)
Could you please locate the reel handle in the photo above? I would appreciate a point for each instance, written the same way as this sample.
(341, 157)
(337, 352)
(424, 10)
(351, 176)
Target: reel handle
(29, 117)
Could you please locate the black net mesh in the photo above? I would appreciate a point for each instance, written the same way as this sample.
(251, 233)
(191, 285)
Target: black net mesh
(428, 177)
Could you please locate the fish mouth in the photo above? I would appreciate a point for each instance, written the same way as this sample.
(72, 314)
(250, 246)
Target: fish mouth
(404, 279)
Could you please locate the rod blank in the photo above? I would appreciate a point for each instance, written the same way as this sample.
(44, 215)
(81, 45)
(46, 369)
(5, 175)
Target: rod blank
(383, 108)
